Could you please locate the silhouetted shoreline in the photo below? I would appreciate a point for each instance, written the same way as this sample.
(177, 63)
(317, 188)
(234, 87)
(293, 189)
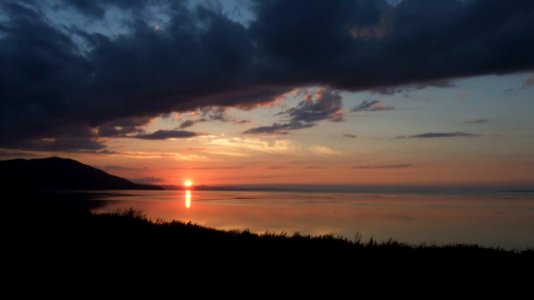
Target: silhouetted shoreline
(57, 231)
(68, 210)
(56, 173)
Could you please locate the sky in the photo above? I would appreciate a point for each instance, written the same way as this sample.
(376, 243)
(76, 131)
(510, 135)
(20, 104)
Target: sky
(363, 92)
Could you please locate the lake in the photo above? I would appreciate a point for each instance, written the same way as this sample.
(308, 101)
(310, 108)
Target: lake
(494, 219)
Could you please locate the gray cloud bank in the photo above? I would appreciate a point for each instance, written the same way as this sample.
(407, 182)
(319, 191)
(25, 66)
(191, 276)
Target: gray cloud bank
(69, 69)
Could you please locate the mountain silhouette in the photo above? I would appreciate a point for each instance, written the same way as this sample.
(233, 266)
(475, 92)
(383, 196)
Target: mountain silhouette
(61, 173)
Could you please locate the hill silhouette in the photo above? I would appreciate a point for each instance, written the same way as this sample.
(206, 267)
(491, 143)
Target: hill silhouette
(61, 173)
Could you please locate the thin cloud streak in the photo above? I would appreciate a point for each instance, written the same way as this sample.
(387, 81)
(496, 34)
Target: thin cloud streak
(211, 168)
(392, 166)
(436, 135)
(167, 134)
(477, 121)
(371, 105)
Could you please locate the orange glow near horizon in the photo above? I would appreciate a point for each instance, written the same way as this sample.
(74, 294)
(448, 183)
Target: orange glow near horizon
(324, 171)
(188, 199)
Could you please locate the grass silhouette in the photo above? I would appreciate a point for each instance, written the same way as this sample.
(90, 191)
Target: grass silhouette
(54, 230)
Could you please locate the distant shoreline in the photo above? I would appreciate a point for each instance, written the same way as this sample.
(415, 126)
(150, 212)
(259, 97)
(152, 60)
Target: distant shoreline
(357, 188)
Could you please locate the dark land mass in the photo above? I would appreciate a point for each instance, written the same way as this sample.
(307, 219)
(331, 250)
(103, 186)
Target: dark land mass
(57, 231)
(47, 231)
(56, 173)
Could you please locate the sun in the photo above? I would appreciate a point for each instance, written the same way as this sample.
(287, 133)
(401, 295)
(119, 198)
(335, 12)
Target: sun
(188, 183)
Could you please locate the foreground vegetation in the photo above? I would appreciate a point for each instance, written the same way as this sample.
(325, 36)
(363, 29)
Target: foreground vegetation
(63, 232)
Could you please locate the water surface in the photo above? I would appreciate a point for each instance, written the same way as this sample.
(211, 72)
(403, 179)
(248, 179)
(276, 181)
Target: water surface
(496, 219)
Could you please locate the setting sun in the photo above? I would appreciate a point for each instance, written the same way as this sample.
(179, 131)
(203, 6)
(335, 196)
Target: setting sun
(188, 183)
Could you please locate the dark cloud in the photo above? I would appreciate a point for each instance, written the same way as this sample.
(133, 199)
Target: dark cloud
(47, 85)
(392, 166)
(350, 135)
(67, 143)
(212, 114)
(122, 127)
(371, 105)
(390, 90)
(279, 128)
(15, 153)
(90, 7)
(323, 104)
(431, 135)
(101, 152)
(97, 8)
(217, 113)
(73, 139)
(56, 76)
(414, 41)
(242, 122)
(477, 121)
(188, 123)
(166, 134)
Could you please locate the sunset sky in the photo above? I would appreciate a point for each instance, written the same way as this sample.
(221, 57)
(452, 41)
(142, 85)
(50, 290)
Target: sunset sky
(410, 92)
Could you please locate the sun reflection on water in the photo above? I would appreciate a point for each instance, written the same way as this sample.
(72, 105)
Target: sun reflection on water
(188, 199)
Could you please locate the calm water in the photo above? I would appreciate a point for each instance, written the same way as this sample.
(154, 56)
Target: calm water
(490, 219)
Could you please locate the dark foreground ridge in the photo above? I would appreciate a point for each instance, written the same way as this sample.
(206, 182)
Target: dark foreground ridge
(53, 240)
(58, 230)
(61, 173)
